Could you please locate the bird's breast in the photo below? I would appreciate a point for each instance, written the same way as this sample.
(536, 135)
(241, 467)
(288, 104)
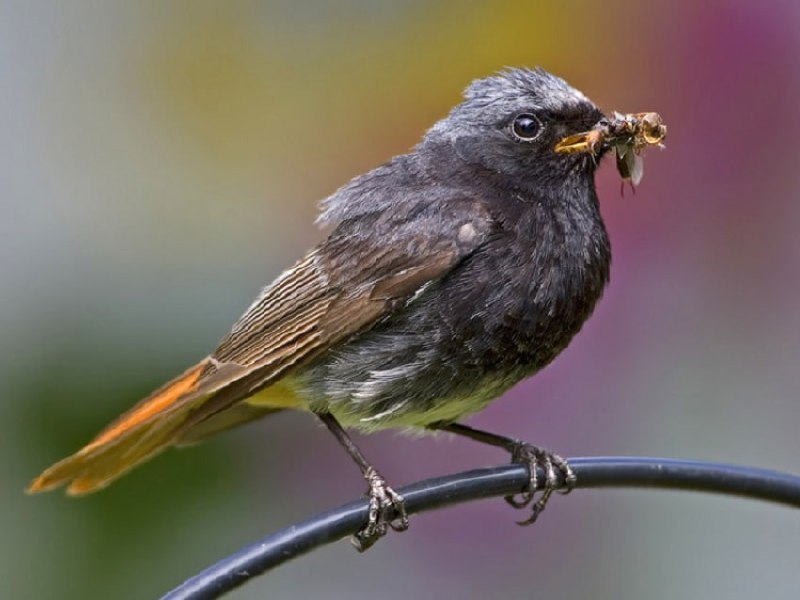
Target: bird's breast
(500, 315)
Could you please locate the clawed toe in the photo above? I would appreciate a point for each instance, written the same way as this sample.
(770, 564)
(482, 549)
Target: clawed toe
(558, 476)
(386, 510)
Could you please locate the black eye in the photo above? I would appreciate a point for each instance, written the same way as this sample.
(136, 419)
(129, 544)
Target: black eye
(526, 127)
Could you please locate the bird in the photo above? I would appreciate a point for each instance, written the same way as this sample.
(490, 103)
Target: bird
(449, 274)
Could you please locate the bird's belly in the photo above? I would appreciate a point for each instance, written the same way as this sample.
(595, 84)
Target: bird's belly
(406, 378)
(418, 412)
(454, 349)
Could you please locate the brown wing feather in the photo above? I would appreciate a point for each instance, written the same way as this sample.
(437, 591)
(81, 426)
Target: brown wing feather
(336, 291)
(170, 411)
(276, 348)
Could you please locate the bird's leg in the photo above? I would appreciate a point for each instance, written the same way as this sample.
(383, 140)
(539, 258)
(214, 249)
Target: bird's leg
(527, 454)
(386, 507)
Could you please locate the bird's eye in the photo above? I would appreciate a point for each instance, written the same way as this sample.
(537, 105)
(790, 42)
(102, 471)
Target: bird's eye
(526, 127)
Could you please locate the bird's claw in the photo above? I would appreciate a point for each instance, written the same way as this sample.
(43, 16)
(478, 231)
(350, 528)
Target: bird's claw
(386, 509)
(535, 457)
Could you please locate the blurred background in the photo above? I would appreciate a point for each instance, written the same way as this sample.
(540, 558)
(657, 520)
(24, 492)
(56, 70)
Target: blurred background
(163, 161)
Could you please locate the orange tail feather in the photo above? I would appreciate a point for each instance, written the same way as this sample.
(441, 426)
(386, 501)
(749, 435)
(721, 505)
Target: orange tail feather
(140, 433)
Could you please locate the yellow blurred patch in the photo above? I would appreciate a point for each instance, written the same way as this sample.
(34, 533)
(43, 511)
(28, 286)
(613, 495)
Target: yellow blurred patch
(280, 395)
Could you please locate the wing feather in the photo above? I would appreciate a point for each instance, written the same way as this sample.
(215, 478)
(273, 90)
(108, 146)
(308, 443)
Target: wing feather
(366, 269)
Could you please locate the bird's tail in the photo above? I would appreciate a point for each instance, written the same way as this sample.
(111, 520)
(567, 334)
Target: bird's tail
(142, 432)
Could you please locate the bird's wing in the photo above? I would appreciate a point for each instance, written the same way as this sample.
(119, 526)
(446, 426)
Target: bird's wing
(360, 274)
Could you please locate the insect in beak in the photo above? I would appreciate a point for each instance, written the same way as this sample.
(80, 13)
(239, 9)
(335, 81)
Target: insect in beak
(588, 142)
(626, 134)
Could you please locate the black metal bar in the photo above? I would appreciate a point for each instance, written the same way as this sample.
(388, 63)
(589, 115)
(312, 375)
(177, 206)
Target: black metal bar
(280, 547)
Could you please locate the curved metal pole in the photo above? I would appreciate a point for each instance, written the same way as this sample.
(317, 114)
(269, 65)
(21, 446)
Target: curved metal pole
(282, 546)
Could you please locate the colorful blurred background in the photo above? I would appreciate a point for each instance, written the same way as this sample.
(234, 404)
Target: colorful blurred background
(162, 161)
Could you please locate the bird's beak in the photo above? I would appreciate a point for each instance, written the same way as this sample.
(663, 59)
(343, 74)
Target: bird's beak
(587, 142)
(633, 131)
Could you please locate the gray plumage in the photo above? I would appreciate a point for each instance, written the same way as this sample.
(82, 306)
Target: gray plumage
(451, 273)
(532, 258)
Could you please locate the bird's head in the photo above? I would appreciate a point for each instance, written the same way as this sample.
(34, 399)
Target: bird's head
(535, 128)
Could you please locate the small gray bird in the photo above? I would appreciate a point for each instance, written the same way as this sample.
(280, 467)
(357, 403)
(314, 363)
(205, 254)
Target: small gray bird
(451, 273)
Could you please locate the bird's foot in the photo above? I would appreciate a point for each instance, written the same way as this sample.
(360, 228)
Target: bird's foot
(386, 509)
(535, 457)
